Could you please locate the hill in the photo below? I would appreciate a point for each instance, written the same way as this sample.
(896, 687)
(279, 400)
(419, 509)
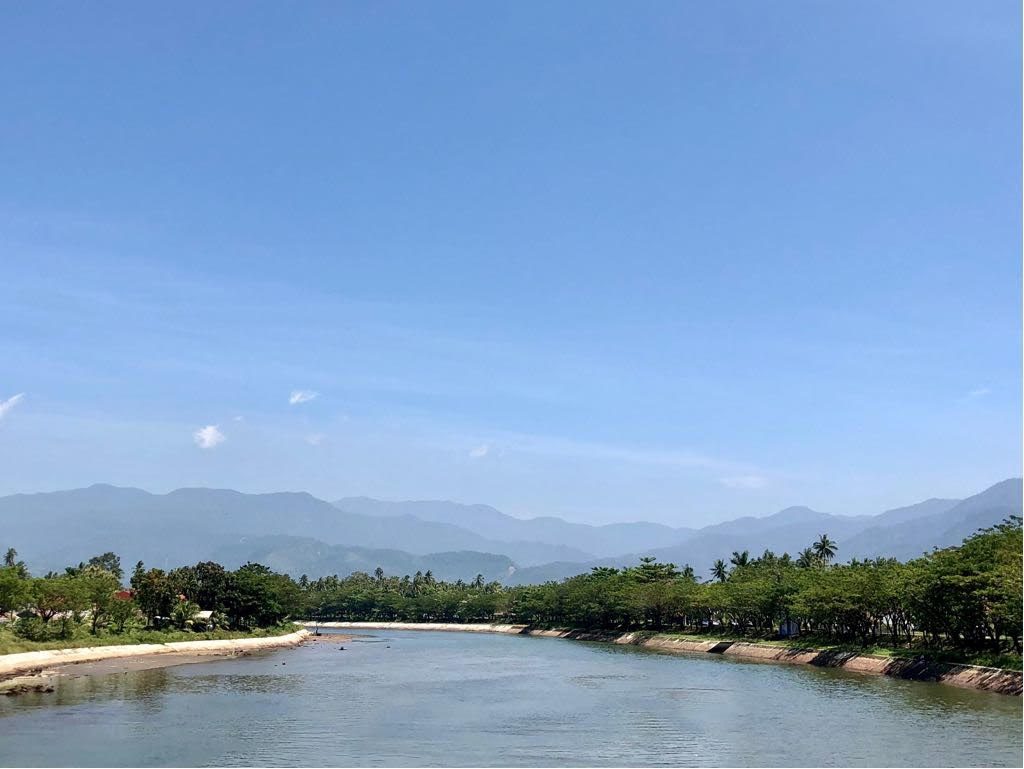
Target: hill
(903, 533)
(298, 533)
(303, 555)
(607, 540)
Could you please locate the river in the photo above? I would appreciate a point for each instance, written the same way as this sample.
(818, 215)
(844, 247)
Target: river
(463, 699)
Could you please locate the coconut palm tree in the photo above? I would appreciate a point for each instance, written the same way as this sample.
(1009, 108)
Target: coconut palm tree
(825, 548)
(740, 559)
(806, 558)
(720, 571)
(183, 614)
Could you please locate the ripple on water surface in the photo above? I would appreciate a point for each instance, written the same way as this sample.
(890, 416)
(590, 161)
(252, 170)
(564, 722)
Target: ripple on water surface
(451, 699)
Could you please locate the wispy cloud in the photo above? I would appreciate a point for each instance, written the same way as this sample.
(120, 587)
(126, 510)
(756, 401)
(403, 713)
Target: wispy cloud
(208, 437)
(679, 458)
(315, 439)
(979, 392)
(479, 452)
(10, 403)
(301, 396)
(744, 482)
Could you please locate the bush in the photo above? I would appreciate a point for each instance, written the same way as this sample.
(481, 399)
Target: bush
(32, 629)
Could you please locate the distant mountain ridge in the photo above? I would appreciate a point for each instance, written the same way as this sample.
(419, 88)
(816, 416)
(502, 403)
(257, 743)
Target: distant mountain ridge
(298, 533)
(164, 528)
(604, 540)
(902, 533)
(304, 555)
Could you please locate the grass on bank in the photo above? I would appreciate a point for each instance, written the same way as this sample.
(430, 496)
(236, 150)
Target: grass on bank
(81, 637)
(1005, 660)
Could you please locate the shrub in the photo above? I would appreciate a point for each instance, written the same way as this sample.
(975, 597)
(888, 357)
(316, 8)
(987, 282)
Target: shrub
(32, 628)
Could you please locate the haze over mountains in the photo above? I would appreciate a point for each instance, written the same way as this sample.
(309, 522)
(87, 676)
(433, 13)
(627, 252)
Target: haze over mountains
(300, 534)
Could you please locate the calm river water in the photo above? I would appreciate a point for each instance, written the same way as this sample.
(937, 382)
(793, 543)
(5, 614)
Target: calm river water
(458, 699)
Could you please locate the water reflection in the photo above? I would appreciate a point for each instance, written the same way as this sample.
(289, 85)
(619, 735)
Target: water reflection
(451, 699)
(144, 687)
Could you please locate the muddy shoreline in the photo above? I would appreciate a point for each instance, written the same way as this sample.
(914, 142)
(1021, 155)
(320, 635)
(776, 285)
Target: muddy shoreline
(35, 671)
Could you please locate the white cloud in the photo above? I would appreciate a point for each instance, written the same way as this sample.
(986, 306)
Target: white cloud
(208, 437)
(301, 396)
(239, 418)
(315, 439)
(979, 392)
(539, 444)
(480, 451)
(10, 403)
(744, 482)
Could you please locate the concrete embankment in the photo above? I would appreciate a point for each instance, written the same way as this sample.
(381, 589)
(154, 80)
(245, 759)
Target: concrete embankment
(965, 676)
(31, 662)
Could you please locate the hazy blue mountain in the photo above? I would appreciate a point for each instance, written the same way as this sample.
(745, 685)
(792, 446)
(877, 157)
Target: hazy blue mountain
(789, 520)
(53, 529)
(912, 512)
(303, 555)
(903, 533)
(949, 526)
(308, 535)
(606, 540)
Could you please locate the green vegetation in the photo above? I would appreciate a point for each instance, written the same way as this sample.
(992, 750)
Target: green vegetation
(11, 643)
(957, 604)
(86, 605)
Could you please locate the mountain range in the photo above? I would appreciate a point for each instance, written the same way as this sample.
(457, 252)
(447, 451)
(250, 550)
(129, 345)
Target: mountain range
(300, 534)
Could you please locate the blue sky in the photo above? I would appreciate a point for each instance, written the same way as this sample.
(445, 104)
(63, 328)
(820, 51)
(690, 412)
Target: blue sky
(666, 261)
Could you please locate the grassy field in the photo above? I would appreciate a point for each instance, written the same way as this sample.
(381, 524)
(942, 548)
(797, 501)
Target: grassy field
(12, 644)
(954, 656)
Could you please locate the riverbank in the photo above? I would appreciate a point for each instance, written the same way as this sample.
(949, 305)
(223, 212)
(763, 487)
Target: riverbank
(33, 669)
(965, 676)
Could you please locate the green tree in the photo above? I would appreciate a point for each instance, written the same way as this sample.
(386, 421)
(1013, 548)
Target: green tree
(154, 593)
(62, 597)
(98, 587)
(121, 612)
(807, 558)
(108, 562)
(15, 590)
(183, 614)
(739, 560)
(824, 548)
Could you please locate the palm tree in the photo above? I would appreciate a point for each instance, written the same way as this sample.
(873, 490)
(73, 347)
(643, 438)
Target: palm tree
(720, 571)
(10, 557)
(806, 559)
(825, 548)
(183, 614)
(740, 559)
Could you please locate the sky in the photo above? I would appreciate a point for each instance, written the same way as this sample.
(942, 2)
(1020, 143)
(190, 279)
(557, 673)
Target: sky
(669, 261)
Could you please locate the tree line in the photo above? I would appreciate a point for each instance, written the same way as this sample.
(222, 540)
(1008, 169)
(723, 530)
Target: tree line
(966, 597)
(95, 593)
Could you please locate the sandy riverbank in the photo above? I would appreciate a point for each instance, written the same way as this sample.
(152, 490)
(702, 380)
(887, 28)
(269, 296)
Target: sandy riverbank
(965, 676)
(35, 669)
